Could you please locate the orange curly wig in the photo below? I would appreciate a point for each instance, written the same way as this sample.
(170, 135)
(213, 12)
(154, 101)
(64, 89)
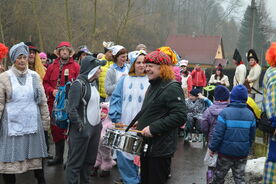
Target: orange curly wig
(3, 51)
(271, 54)
(166, 72)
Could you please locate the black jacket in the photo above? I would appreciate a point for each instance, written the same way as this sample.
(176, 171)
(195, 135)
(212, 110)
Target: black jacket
(164, 116)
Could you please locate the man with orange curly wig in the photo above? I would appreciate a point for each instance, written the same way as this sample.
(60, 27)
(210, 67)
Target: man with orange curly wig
(163, 111)
(269, 102)
(3, 54)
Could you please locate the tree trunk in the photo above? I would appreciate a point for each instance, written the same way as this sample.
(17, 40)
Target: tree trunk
(94, 22)
(37, 25)
(68, 22)
(123, 24)
(2, 38)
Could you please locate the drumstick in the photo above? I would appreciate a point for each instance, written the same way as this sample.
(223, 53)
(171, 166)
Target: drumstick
(122, 125)
(138, 131)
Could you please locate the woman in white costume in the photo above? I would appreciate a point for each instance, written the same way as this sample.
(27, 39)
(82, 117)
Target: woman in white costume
(126, 101)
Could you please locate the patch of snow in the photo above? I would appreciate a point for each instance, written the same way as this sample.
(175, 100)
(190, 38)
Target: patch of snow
(255, 166)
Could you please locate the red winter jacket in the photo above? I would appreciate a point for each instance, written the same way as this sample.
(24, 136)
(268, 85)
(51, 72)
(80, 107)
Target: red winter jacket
(51, 77)
(199, 78)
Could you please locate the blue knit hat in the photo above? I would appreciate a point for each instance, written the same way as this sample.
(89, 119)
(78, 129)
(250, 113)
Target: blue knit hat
(221, 93)
(239, 94)
(195, 92)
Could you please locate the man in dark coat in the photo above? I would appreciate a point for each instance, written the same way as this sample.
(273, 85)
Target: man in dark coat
(165, 112)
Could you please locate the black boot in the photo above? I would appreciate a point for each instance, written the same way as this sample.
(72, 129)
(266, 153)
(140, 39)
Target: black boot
(9, 178)
(59, 154)
(47, 144)
(39, 175)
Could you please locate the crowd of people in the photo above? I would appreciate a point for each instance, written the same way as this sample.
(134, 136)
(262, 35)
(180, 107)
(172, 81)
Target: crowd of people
(152, 95)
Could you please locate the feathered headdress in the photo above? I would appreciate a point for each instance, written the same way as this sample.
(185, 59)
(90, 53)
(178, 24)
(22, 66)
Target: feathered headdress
(3, 51)
(271, 54)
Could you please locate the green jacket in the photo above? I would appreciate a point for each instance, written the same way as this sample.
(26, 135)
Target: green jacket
(164, 116)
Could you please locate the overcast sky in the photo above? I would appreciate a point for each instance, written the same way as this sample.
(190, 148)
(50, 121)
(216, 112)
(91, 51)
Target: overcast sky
(271, 5)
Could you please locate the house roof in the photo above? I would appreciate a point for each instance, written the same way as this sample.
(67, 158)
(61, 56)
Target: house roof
(197, 49)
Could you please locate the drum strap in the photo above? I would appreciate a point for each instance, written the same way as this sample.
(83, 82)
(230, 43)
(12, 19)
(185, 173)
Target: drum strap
(141, 112)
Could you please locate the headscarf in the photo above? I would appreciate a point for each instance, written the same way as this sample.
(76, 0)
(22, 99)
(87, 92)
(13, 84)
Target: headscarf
(115, 49)
(17, 50)
(132, 56)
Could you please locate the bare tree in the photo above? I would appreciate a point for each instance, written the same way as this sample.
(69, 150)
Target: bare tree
(37, 24)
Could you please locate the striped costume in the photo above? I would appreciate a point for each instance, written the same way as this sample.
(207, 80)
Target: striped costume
(269, 101)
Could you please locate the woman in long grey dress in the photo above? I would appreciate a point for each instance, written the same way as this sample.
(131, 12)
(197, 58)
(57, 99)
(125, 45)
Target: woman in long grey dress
(25, 116)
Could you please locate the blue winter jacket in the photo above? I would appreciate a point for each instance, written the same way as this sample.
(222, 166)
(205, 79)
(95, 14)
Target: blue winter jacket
(234, 132)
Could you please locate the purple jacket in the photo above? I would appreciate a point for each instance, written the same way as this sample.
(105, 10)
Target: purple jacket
(209, 118)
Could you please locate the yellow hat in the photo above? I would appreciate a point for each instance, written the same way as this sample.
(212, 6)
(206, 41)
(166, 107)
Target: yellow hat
(170, 53)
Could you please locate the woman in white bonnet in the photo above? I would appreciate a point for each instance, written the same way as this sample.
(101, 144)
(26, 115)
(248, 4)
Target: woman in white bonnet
(24, 117)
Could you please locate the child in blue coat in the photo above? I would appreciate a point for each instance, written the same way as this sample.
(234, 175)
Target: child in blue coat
(233, 136)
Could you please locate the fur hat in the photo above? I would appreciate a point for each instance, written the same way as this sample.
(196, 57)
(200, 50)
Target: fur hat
(221, 93)
(63, 45)
(239, 94)
(158, 57)
(271, 55)
(252, 54)
(3, 51)
(237, 56)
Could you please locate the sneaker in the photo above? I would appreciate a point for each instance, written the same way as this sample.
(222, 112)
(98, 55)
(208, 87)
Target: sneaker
(195, 138)
(187, 137)
(200, 138)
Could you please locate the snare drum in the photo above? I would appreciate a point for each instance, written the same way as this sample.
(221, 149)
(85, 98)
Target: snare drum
(111, 138)
(122, 141)
(132, 144)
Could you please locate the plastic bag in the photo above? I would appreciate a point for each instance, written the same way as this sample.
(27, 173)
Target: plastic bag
(210, 160)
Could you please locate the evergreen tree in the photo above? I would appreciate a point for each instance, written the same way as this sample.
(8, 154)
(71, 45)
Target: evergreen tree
(254, 32)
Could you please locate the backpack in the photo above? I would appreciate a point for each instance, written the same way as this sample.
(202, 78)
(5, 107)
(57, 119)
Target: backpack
(60, 115)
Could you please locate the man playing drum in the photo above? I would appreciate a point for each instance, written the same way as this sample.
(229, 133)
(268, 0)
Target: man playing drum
(164, 111)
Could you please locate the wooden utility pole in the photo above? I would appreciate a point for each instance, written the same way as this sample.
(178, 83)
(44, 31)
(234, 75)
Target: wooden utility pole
(252, 24)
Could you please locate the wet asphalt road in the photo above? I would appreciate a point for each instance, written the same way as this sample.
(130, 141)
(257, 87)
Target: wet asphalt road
(187, 168)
